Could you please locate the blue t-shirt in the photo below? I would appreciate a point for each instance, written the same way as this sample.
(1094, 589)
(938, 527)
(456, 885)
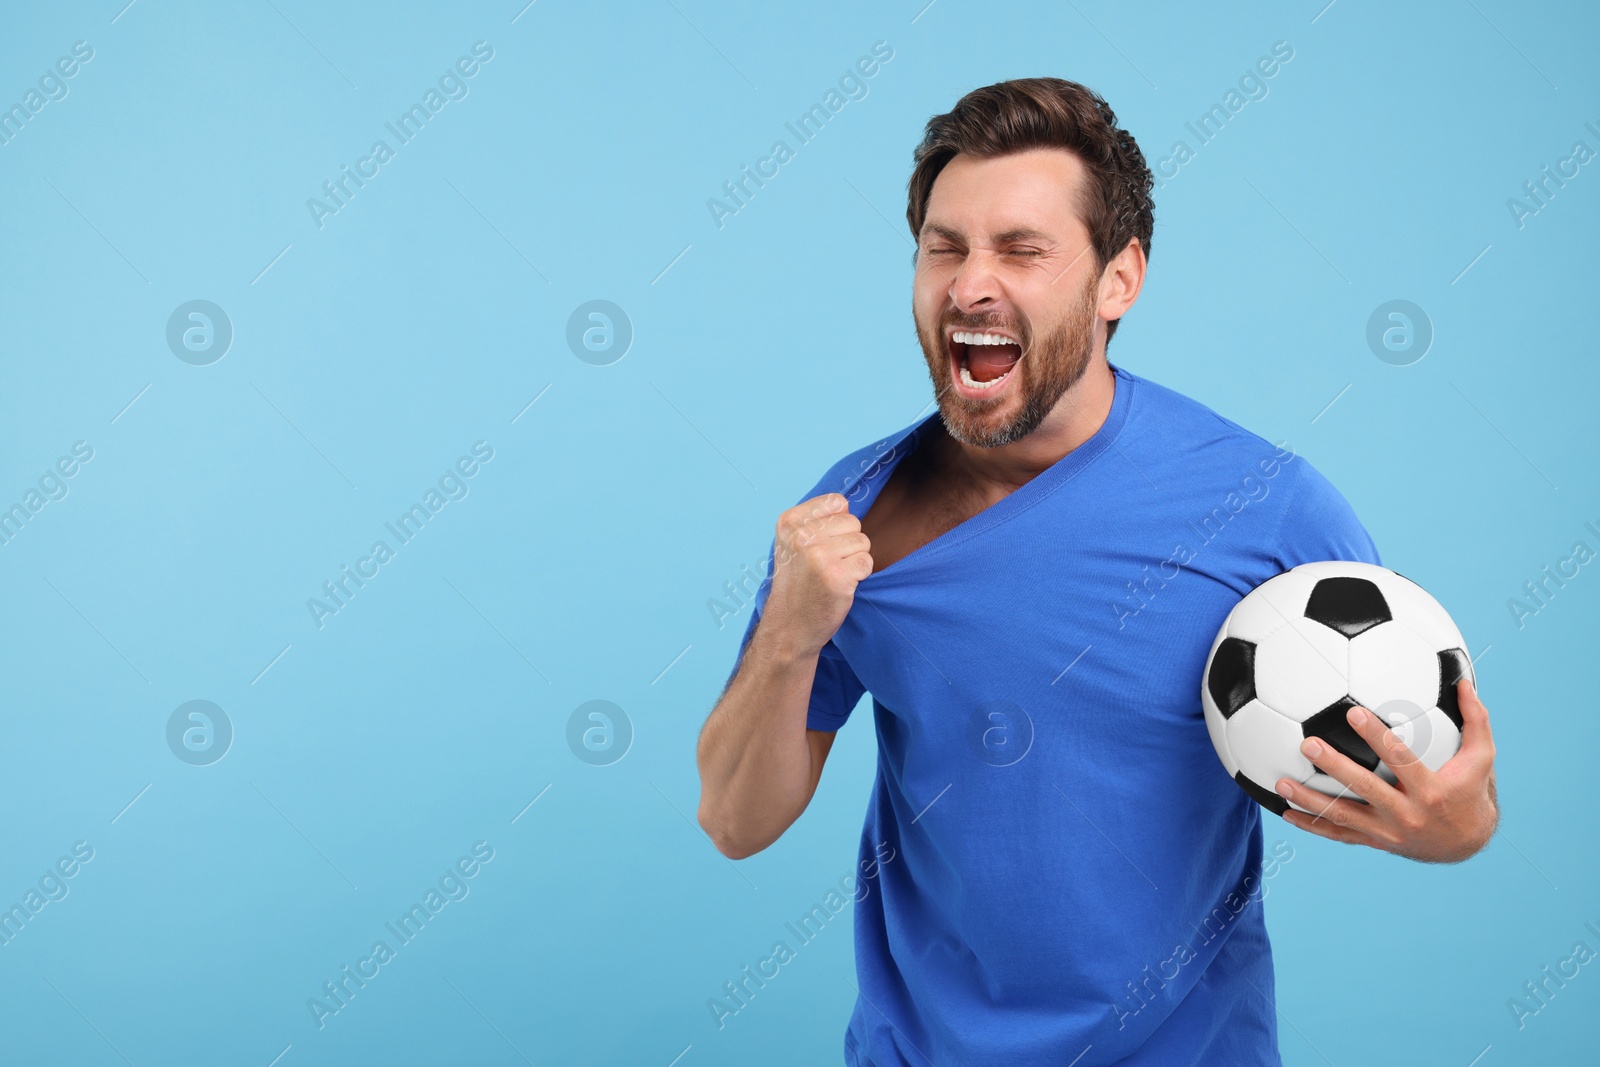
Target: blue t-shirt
(1075, 878)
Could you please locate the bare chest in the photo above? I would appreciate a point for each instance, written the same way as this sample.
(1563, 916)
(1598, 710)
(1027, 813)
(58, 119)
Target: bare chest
(914, 507)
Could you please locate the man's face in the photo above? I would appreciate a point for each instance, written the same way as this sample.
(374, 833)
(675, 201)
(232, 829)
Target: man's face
(1004, 255)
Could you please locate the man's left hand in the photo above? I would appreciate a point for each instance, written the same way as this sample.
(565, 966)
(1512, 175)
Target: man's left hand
(1440, 816)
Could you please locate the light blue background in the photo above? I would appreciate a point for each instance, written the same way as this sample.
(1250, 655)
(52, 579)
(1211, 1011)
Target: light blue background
(425, 716)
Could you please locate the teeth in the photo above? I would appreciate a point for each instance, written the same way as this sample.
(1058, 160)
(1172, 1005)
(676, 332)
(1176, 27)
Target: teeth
(968, 380)
(965, 338)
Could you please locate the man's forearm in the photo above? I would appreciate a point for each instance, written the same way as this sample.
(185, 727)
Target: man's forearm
(756, 773)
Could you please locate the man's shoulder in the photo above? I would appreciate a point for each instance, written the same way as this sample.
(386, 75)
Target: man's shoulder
(1312, 520)
(1178, 422)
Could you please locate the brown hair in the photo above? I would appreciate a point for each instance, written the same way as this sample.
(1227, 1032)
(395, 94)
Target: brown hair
(1013, 116)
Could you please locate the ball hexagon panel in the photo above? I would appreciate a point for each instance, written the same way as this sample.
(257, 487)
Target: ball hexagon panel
(1253, 618)
(1300, 669)
(1416, 609)
(1431, 736)
(1390, 662)
(1270, 606)
(1265, 746)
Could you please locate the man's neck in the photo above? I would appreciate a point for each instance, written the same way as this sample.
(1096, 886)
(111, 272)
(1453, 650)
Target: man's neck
(1080, 412)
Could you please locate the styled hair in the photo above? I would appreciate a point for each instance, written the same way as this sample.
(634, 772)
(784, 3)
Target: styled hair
(1013, 116)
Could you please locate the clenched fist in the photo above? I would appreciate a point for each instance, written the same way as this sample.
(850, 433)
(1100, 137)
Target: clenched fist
(819, 557)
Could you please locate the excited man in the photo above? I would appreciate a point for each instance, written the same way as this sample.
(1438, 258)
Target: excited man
(1028, 585)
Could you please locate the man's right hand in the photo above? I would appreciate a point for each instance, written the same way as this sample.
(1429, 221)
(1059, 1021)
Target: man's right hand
(819, 557)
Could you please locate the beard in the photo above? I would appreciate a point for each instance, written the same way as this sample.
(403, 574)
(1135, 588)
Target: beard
(1050, 365)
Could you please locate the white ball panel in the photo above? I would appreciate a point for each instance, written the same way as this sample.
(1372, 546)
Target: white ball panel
(1271, 605)
(1432, 737)
(1416, 608)
(1301, 669)
(1253, 618)
(1266, 745)
(1215, 723)
(1390, 662)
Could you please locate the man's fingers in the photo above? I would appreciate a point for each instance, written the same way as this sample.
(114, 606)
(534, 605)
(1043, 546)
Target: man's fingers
(1476, 737)
(1336, 811)
(1407, 767)
(860, 564)
(1323, 828)
(797, 528)
(813, 510)
(825, 504)
(851, 544)
(1348, 773)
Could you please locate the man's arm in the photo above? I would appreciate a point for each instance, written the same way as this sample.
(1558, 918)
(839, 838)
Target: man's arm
(1438, 817)
(759, 764)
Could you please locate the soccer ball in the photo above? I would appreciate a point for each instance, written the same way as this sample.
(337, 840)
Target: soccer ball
(1304, 647)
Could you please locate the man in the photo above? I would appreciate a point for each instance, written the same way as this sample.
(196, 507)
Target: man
(1028, 585)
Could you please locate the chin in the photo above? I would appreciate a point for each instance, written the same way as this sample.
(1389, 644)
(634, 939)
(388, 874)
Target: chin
(987, 429)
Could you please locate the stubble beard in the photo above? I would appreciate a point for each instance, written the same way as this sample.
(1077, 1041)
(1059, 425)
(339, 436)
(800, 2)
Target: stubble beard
(1049, 366)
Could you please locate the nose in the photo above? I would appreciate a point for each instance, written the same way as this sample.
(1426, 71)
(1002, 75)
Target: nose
(975, 286)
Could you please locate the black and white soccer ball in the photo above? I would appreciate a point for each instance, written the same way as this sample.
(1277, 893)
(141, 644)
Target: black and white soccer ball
(1303, 647)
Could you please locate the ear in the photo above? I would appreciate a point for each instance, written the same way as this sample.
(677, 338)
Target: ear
(1121, 281)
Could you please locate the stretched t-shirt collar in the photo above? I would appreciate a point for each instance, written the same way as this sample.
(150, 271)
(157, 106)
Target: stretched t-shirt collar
(863, 489)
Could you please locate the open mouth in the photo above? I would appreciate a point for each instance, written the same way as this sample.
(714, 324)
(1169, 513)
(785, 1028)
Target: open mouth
(982, 361)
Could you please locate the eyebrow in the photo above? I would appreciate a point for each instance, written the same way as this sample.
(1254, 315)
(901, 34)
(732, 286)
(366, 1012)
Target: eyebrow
(1021, 233)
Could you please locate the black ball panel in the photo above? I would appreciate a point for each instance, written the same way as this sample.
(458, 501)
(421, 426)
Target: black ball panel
(1265, 797)
(1348, 605)
(1232, 679)
(1331, 727)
